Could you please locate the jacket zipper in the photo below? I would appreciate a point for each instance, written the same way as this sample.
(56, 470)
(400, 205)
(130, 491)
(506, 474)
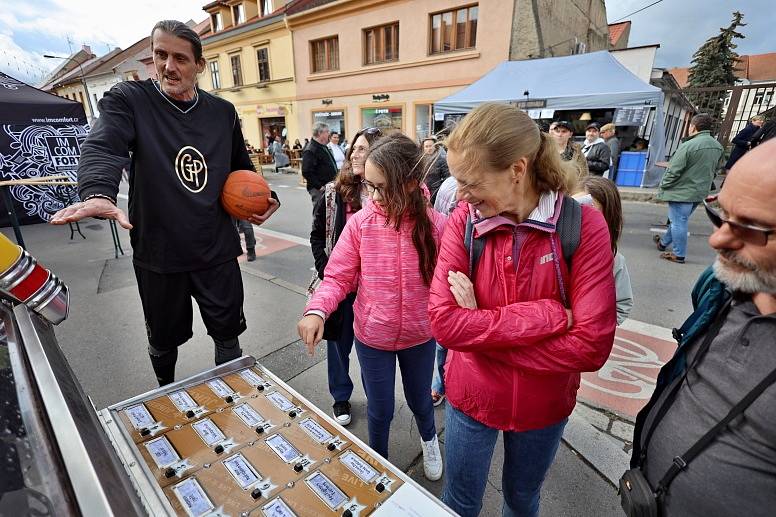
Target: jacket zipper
(517, 248)
(401, 308)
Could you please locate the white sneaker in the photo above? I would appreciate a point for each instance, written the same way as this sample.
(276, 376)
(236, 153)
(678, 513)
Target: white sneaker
(432, 459)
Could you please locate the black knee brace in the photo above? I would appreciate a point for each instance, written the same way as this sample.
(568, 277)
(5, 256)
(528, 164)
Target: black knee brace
(163, 362)
(227, 350)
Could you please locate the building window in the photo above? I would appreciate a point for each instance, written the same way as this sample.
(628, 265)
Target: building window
(381, 44)
(266, 7)
(325, 54)
(236, 70)
(423, 123)
(215, 76)
(335, 119)
(454, 30)
(387, 119)
(238, 13)
(262, 56)
(216, 22)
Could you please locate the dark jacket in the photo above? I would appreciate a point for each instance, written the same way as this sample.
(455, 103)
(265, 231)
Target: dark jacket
(766, 132)
(332, 327)
(741, 144)
(318, 165)
(614, 151)
(708, 296)
(438, 172)
(598, 157)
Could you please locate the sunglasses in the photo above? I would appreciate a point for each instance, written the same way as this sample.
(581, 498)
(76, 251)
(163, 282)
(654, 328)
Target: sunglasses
(746, 232)
(370, 131)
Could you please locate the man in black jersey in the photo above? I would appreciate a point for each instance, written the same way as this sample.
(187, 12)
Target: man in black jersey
(183, 143)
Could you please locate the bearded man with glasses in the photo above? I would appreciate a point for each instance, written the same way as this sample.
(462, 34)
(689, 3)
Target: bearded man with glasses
(706, 441)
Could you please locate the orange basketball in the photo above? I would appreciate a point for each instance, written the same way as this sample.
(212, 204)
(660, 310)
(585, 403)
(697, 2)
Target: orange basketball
(245, 193)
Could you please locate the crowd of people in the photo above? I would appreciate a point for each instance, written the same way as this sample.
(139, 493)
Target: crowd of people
(408, 284)
(512, 281)
(492, 302)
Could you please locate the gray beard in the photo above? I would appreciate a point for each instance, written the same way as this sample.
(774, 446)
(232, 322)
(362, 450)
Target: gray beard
(753, 281)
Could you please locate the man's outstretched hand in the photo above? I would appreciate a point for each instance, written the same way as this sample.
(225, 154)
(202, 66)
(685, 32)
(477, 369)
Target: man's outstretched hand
(95, 207)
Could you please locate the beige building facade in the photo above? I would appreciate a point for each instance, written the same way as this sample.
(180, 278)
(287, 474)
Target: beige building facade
(248, 54)
(361, 63)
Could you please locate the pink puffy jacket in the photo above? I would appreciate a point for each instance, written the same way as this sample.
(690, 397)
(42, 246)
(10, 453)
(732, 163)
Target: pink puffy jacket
(381, 264)
(512, 364)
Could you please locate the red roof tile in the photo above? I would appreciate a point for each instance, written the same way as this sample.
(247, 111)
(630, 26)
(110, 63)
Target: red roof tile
(616, 30)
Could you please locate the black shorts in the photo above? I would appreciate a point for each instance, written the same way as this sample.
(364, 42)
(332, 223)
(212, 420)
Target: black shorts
(166, 299)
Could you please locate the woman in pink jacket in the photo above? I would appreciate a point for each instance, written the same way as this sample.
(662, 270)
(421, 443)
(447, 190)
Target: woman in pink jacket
(387, 254)
(525, 326)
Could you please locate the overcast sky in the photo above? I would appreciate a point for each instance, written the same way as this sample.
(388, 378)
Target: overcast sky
(29, 29)
(681, 26)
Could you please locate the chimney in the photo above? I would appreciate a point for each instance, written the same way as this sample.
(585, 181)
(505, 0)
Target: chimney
(87, 49)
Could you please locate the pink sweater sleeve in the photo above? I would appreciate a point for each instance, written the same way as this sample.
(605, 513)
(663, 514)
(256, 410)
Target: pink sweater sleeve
(341, 274)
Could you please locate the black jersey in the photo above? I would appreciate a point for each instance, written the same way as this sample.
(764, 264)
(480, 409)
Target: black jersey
(180, 158)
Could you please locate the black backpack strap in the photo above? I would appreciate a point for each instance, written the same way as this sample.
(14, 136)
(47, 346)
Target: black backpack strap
(473, 245)
(569, 228)
(681, 462)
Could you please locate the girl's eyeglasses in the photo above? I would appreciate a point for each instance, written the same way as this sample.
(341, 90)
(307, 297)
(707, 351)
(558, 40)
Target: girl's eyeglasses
(371, 188)
(748, 233)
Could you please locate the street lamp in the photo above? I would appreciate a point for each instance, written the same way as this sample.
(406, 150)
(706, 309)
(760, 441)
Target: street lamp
(83, 80)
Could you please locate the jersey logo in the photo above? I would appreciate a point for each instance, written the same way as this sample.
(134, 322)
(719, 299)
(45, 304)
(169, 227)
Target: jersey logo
(191, 169)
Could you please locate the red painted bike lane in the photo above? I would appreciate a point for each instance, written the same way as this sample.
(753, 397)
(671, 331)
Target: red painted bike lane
(625, 383)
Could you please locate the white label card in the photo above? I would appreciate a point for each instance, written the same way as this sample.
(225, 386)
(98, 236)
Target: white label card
(162, 451)
(182, 400)
(220, 388)
(139, 416)
(194, 500)
(242, 471)
(359, 466)
(283, 448)
(253, 378)
(248, 415)
(280, 402)
(326, 490)
(208, 431)
(315, 430)
(277, 508)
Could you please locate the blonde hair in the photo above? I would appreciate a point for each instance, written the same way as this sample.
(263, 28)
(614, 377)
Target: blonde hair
(494, 136)
(757, 117)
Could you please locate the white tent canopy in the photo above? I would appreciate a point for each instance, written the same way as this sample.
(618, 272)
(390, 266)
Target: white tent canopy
(583, 81)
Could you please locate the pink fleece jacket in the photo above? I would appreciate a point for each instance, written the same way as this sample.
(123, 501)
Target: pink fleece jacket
(381, 264)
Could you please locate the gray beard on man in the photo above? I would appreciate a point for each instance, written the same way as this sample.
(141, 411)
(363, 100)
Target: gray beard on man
(752, 280)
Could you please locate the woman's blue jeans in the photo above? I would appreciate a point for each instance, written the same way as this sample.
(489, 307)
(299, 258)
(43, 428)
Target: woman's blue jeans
(469, 449)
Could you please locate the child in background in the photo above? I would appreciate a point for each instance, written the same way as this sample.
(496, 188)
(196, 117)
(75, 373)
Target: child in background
(387, 253)
(603, 194)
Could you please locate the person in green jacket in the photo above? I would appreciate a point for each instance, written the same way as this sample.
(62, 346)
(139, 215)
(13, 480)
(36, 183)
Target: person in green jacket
(686, 183)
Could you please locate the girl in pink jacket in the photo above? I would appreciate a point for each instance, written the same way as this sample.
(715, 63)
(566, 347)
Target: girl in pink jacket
(387, 253)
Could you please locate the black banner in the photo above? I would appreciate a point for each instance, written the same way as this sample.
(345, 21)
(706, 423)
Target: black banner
(40, 135)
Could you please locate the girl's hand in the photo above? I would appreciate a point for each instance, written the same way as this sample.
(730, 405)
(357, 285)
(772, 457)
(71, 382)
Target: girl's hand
(310, 329)
(462, 289)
